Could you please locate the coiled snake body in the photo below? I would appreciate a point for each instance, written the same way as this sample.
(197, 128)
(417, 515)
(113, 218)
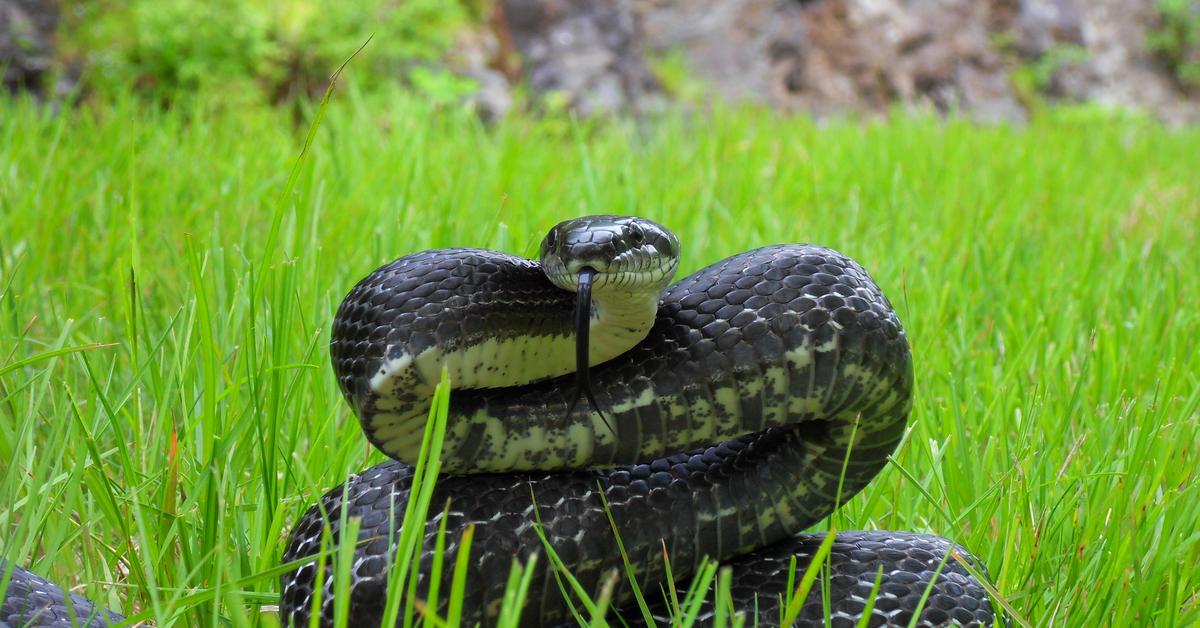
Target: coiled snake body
(745, 403)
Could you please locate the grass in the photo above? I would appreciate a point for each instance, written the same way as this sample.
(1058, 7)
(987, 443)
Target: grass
(167, 410)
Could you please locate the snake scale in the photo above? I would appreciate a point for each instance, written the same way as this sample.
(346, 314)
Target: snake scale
(726, 413)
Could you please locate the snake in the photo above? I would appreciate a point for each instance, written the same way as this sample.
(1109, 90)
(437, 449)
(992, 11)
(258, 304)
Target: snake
(627, 425)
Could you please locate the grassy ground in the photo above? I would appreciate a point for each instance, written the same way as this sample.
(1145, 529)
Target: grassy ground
(167, 410)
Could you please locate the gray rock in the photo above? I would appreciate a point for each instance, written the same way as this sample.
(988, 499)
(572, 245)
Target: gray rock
(26, 42)
(482, 55)
(836, 55)
(745, 49)
(825, 56)
(1125, 72)
(1042, 25)
(587, 51)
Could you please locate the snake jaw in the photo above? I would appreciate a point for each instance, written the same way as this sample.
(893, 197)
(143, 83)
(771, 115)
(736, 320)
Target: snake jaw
(583, 323)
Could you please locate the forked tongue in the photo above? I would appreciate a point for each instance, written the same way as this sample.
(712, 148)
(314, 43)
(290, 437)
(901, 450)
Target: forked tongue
(583, 315)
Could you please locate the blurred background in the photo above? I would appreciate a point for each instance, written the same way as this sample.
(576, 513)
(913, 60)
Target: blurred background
(993, 60)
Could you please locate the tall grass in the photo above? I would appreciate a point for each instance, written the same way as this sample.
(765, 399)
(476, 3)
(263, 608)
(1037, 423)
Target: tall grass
(167, 411)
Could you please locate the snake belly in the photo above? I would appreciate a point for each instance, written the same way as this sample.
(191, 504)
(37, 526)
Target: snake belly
(771, 388)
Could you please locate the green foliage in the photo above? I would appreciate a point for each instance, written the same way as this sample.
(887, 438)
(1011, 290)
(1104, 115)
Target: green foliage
(167, 409)
(1038, 73)
(273, 48)
(677, 78)
(1177, 39)
(1031, 77)
(317, 35)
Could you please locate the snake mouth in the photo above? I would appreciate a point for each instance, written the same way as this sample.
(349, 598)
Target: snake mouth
(607, 274)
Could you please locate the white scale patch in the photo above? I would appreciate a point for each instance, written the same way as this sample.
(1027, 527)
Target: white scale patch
(389, 368)
(801, 358)
(647, 397)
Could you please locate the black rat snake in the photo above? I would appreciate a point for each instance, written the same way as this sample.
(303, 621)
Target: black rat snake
(788, 358)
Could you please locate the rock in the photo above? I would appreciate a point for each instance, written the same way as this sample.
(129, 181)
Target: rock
(1042, 25)
(1096, 52)
(744, 49)
(587, 51)
(26, 42)
(485, 55)
(826, 56)
(1126, 73)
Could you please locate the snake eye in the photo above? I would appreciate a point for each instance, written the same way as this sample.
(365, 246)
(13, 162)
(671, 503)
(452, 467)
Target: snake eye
(636, 233)
(550, 241)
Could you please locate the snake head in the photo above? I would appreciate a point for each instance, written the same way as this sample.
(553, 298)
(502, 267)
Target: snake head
(620, 255)
(626, 252)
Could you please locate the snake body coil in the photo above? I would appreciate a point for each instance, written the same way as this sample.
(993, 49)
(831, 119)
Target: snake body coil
(740, 406)
(740, 402)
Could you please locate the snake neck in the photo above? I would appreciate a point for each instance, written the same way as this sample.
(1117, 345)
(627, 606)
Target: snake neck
(620, 319)
(761, 340)
(495, 324)
(399, 402)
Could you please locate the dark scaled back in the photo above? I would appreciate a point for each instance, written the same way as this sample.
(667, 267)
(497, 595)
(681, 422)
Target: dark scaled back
(34, 601)
(907, 564)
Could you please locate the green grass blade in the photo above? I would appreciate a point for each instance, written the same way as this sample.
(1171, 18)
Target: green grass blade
(864, 620)
(793, 608)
